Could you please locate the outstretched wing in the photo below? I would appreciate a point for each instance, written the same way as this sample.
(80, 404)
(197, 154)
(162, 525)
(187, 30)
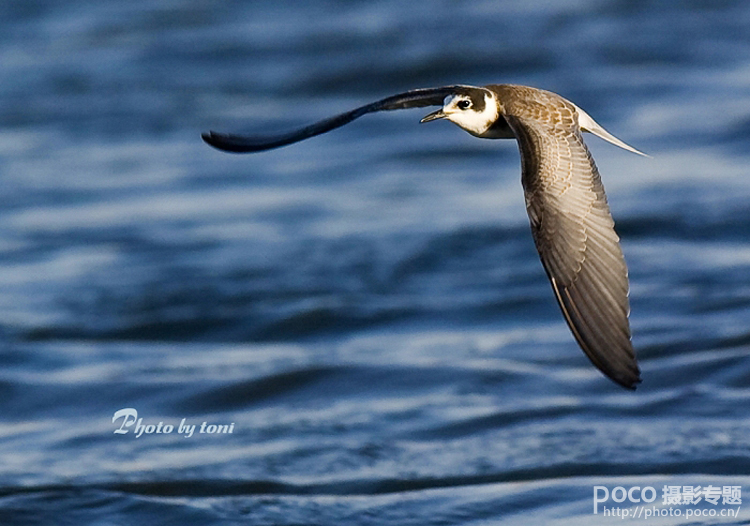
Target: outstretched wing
(574, 234)
(411, 99)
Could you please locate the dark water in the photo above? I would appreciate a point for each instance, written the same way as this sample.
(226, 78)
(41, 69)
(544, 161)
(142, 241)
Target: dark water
(366, 309)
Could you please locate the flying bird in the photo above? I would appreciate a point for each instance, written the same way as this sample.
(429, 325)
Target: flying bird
(570, 219)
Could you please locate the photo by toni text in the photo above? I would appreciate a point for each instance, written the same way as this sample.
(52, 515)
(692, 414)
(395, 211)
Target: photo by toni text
(130, 418)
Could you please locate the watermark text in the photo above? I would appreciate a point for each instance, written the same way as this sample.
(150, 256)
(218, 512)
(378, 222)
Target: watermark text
(131, 423)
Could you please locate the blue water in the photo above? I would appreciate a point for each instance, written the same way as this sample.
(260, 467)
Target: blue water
(366, 309)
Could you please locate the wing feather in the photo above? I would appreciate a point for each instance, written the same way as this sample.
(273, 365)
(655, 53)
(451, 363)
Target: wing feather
(574, 234)
(418, 98)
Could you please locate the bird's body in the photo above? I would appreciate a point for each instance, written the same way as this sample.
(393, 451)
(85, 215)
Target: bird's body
(570, 219)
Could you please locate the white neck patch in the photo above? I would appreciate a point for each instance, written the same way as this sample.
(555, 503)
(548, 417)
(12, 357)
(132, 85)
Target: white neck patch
(473, 121)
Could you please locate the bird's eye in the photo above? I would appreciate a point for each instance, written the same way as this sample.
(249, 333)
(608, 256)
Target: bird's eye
(464, 104)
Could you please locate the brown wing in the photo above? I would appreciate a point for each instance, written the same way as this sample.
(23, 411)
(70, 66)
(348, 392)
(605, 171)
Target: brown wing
(417, 98)
(574, 234)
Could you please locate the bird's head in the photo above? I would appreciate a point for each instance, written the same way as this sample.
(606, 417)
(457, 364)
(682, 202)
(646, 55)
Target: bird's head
(473, 109)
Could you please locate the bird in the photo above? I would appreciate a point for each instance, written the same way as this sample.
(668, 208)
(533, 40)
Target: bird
(570, 219)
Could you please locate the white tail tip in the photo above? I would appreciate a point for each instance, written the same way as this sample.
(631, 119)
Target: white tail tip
(588, 124)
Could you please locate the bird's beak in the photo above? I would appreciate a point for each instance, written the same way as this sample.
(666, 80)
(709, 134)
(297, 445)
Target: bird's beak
(434, 116)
